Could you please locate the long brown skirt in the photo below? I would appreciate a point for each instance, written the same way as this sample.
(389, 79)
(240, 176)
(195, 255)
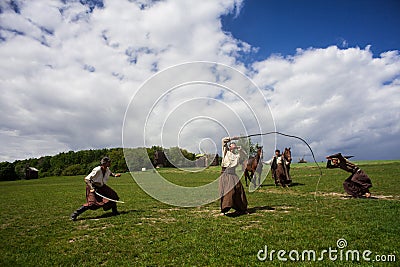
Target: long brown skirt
(232, 193)
(357, 184)
(94, 201)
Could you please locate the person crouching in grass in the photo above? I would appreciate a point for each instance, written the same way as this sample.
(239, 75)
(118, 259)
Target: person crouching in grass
(358, 183)
(96, 188)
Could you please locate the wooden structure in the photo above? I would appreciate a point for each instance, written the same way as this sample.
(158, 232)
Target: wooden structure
(216, 161)
(204, 160)
(160, 160)
(201, 160)
(31, 173)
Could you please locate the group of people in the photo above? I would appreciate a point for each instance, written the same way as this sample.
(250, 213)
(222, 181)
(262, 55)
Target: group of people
(232, 193)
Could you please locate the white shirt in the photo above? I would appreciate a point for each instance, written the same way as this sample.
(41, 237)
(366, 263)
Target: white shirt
(278, 160)
(96, 176)
(229, 159)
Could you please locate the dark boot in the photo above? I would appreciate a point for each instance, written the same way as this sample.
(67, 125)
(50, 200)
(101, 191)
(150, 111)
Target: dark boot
(77, 212)
(115, 211)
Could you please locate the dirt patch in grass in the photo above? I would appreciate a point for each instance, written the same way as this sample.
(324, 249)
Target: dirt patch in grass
(252, 224)
(153, 220)
(346, 196)
(168, 210)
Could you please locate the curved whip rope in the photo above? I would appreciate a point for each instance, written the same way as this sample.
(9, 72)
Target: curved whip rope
(293, 136)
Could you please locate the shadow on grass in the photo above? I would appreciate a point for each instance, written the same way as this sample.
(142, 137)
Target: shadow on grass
(267, 185)
(110, 214)
(360, 197)
(249, 211)
(296, 184)
(273, 185)
(255, 209)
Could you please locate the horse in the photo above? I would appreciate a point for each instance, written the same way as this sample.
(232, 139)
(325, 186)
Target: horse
(283, 169)
(252, 166)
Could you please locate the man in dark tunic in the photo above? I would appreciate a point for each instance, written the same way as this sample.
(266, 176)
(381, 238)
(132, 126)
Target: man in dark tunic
(274, 165)
(358, 183)
(231, 189)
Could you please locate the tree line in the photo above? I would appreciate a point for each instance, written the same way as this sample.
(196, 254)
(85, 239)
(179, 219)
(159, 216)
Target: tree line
(122, 160)
(82, 162)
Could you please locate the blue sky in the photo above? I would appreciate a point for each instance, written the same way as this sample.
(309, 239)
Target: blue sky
(329, 70)
(282, 26)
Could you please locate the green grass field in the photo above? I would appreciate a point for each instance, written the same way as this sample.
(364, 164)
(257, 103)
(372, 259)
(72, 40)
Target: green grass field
(36, 230)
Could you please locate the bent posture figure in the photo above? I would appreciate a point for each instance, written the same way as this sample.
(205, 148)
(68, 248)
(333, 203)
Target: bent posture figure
(96, 182)
(358, 183)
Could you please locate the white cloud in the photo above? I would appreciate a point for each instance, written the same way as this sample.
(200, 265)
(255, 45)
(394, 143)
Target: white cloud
(342, 100)
(68, 74)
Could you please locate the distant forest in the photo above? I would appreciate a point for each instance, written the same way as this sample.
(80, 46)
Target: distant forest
(82, 162)
(122, 160)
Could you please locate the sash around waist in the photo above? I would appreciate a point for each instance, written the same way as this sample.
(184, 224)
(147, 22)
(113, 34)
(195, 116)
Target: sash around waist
(228, 170)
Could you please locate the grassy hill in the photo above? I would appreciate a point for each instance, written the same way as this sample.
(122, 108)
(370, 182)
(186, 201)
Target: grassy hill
(310, 216)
